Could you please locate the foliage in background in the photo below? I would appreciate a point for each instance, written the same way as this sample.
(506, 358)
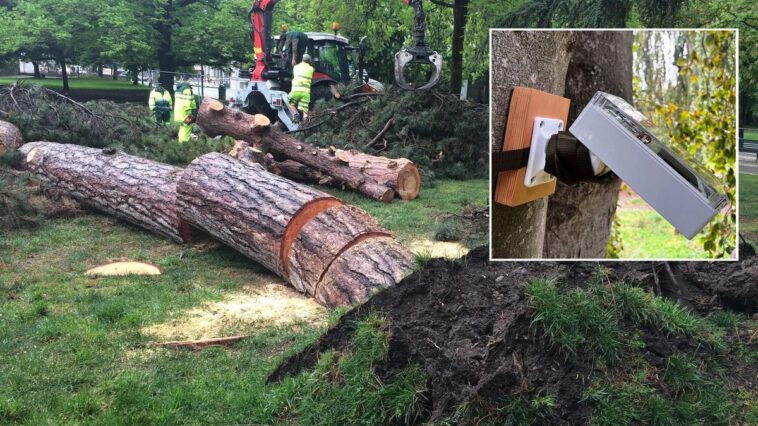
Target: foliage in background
(444, 136)
(741, 14)
(43, 115)
(689, 91)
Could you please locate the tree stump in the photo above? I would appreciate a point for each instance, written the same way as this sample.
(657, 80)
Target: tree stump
(134, 189)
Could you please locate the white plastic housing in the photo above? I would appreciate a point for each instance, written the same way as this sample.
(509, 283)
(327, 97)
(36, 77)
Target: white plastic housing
(623, 139)
(543, 129)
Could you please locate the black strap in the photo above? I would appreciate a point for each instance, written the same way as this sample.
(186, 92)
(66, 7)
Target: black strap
(509, 160)
(569, 160)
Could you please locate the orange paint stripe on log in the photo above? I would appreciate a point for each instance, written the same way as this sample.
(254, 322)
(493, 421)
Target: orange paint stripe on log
(301, 217)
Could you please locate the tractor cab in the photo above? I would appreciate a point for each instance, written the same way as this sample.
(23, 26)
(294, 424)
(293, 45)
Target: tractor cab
(337, 67)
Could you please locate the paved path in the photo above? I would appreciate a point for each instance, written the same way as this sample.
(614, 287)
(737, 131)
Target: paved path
(748, 163)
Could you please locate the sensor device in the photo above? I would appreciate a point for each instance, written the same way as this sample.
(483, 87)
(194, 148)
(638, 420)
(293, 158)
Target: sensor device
(629, 144)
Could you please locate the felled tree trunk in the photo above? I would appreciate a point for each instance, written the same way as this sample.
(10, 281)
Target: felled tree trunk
(253, 211)
(302, 234)
(399, 174)
(134, 189)
(10, 137)
(216, 119)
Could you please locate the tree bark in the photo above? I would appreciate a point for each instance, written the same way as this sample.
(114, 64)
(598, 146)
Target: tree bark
(64, 73)
(460, 16)
(10, 137)
(323, 239)
(363, 270)
(400, 174)
(134, 189)
(580, 217)
(37, 74)
(537, 59)
(247, 208)
(305, 236)
(287, 168)
(216, 119)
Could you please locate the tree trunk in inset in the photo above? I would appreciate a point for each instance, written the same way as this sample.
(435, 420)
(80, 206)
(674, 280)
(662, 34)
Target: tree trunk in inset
(216, 119)
(134, 189)
(304, 235)
(10, 137)
(536, 59)
(579, 218)
(37, 74)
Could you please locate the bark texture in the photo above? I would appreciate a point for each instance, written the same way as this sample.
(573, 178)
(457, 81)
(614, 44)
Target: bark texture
(246, 207)
(216, 119)
(536, 59)
(322, 239)
(10, 137)
(134, 189)
(400, 174)
(306, 236)
(362, 270)
(579, 218)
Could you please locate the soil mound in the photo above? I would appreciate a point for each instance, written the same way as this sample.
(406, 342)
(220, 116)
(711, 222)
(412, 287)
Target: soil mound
(468, 323)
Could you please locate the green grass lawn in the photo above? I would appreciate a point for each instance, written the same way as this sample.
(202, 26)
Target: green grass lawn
(418, 219)
(647, 235)
(76, 83)
(751, 135)
(748, 199)
(75, 349)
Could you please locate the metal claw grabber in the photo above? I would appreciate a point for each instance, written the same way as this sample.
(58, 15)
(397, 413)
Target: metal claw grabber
(419, 53)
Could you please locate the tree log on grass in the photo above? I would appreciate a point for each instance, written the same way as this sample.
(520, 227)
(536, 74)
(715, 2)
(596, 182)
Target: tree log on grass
(399, 174)
(134, 189)
(255, 212)
(216, 119)
(10, 137)
(304, 235)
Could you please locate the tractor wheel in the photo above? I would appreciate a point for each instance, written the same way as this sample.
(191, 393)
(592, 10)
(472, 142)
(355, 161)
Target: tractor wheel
(321, 92)
(256, 104)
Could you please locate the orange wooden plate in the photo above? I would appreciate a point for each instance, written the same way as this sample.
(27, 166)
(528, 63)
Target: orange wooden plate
(526, 104)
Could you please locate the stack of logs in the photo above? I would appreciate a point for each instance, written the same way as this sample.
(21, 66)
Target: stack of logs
(376, 177)
(332, 251)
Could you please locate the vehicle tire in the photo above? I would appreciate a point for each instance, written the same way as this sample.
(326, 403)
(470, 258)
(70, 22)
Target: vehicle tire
(320, 92)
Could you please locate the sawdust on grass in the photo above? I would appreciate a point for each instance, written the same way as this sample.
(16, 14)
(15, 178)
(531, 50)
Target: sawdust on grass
(252, 307)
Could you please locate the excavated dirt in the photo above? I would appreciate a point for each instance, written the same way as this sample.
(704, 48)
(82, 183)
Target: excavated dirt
(467, 322)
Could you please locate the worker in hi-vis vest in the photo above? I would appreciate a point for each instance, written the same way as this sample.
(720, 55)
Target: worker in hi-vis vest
(300, 95)
(160, 104)
(185, 111)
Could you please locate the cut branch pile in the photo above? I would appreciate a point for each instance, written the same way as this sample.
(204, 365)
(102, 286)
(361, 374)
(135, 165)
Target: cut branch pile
(379, 178)
(334, 252)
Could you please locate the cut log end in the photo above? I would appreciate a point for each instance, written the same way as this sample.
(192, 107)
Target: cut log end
(216, 106)
(408, 182)
(260, 120)
(10, 137)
